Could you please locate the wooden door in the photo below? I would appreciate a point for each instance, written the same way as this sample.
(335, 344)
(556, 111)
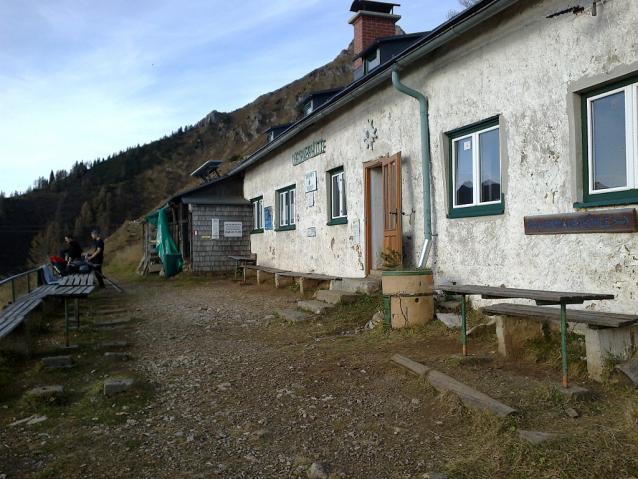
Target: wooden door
(392, 238)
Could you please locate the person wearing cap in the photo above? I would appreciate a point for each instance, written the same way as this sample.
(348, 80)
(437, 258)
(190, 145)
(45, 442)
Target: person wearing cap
(97, 258)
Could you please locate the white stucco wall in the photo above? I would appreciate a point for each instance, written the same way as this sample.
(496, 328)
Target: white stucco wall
(521, 66)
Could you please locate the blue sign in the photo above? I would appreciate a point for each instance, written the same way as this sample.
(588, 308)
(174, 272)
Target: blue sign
(268, 218)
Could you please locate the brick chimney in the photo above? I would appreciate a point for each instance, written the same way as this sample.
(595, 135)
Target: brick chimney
(371, 20)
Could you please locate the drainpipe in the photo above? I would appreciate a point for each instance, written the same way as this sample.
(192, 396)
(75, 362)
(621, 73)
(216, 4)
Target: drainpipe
(425, 163)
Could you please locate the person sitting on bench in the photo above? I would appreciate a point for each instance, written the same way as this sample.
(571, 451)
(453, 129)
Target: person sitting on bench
(97, 258)
(74, 252)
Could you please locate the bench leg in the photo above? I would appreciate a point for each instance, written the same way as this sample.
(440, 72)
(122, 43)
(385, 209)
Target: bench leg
(463, 324)
(563, 342)
(604, 344)
(77, 312)
(66, 320)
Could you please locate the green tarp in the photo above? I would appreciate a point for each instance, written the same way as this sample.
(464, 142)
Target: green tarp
(166, 249)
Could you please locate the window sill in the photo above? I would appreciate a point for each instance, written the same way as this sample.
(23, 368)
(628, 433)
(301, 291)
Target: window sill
(489, 210)
(609, 201)
(253, 232)
(286, 228)
(338, 221)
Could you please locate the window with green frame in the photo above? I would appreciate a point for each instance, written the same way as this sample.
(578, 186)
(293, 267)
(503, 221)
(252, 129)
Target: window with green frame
(286, 208)
(337, 198)
(258, 214)
(307, 109)
(371, 61)
(610, 144)
(475, 159)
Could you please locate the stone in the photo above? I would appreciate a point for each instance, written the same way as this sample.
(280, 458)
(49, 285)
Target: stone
(513, 332)
(115, 386)
(317, 471)
(293, 315)
(376, 320)
(479, 329)
(434, 475)
(112, 322)
(336, 296)
(314, 306)
(58, 362)
(47, 390)
(270, 317)
(535, 437)
(571, 412)
(115, 344)
(450, 304)
(450, 320)
(122, 356)
(369, 285)
(575, 392)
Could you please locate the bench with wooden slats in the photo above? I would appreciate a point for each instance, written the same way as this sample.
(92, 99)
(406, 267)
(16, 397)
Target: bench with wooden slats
(14, 314)
(594, 319)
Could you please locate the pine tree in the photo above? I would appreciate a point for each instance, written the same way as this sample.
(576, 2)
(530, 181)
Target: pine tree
(84, 224)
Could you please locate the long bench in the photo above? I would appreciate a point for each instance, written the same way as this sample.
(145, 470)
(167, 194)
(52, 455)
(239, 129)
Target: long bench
(284, 278)
(606, 334)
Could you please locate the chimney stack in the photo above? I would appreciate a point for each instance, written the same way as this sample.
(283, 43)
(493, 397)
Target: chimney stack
(371, 20)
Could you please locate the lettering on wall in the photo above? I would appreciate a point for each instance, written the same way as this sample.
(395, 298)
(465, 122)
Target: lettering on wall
(315, 149)
(612, 221)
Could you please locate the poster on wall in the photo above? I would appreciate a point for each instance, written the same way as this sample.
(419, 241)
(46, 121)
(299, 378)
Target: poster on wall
(215, 231)
(311, 182)
(268, 218)
(232, 229)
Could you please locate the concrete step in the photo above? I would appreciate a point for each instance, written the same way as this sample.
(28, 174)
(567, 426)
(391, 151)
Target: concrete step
(368, 285)
(293, 315)
(336, 296)
(317, 307)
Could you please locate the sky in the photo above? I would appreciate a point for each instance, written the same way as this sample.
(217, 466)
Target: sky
(84, 79)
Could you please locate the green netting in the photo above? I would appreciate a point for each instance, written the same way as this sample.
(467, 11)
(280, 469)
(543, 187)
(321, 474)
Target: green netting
(166, 249)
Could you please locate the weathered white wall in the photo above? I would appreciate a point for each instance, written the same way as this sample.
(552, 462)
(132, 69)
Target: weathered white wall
(525, 68)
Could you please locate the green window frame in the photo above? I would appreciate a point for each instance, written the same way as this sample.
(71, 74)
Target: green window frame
(337, 208)
(475, 155)
(258, 214)
(286, 199)
(371, 61)
(609, 118)
(307, 109)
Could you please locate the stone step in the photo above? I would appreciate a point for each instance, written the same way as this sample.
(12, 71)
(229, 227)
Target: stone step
(317, 307)
(106, 329)
(336, 296)
(46, 391)
(368, 285)
(115, 386)
(58, 362)
(293, 315)
(450, 304)
(115, 344)
(112, 322)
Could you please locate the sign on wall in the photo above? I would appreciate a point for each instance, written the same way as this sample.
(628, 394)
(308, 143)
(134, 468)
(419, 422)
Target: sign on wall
(311, 182)
(312, 232)
(232, 229)
(611, 221)
(311, 199)
(315, 149)
(215, 230)
(268, 218)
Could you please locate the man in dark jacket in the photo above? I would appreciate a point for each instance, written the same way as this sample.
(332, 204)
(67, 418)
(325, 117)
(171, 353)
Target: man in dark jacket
(97, 258)
(75, 250)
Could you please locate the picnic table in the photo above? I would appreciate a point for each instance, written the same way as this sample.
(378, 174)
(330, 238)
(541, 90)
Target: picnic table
(73, 286)
(542, 298)
(242, 261)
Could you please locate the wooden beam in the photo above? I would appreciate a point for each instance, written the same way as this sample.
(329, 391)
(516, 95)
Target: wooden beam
(442, 382)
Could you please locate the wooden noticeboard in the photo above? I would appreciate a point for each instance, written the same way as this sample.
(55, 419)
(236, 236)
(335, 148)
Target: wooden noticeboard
(610, 221)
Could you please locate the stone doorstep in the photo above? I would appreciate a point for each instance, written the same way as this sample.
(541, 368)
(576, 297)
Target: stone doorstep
(46, 390)
(115, 344)
(58, 362)
(369, 285)
(112, 322)
(293, 315)
(115, 386)
(317, 307)
(336, 296)
(577, 392)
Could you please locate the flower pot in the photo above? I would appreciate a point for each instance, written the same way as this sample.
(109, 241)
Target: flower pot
(397, 283)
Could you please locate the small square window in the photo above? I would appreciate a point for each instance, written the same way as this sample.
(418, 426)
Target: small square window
(307, 109)
(271, 136)
(610, 145)
(286, 208)
(475, 170)
(258, 214)
(337, 187)
(371, 61)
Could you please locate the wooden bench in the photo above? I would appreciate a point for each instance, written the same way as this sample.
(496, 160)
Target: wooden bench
(285, 278)
(241, 261)
(606, 335)
(14, 317)
(543, 298)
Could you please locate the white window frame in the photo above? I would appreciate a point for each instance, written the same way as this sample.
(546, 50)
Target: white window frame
(258, 214)
(368, 67)
(343, 212)
(286, 202)
(631, 139)
(308, 109)
(476, 168)
(271, 136)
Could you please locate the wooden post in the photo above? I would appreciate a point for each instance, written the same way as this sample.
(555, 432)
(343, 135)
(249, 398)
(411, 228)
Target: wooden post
(66, 317)
(463, 324)
(563, 340)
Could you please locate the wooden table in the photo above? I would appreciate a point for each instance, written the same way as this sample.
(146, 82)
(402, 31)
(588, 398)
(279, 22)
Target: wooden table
(242, 260)
(541, 298)
(73, 286)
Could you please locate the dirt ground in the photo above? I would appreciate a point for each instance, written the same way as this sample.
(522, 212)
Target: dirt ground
(224, 388)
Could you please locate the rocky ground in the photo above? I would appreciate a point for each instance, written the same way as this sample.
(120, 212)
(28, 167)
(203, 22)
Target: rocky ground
(225, 388)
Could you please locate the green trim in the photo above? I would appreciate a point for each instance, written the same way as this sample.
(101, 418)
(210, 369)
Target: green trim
(286, 228)
(278, 210)
(252, 204)
(338, 221)
(260, 230)
(477, 210)
(407, 273)
(600, 199)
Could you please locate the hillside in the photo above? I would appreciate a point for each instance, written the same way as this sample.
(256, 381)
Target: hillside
(107, 192)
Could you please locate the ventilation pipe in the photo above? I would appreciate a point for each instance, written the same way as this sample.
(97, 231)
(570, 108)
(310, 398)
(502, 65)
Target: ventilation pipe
(425, 163)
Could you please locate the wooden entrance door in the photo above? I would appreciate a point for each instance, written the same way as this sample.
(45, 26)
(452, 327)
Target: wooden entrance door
(382, 190)
(392, 239)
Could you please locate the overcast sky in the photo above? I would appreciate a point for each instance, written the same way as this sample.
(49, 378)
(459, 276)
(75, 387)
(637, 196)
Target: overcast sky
(84, 79)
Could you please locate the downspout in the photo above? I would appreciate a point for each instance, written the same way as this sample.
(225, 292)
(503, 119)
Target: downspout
(425, 163)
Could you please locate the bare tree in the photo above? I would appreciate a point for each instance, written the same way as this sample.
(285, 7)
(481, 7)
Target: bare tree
(465, 4)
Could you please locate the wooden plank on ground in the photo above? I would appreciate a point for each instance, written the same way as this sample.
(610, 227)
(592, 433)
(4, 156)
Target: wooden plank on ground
(442, 382)
(594, 318)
